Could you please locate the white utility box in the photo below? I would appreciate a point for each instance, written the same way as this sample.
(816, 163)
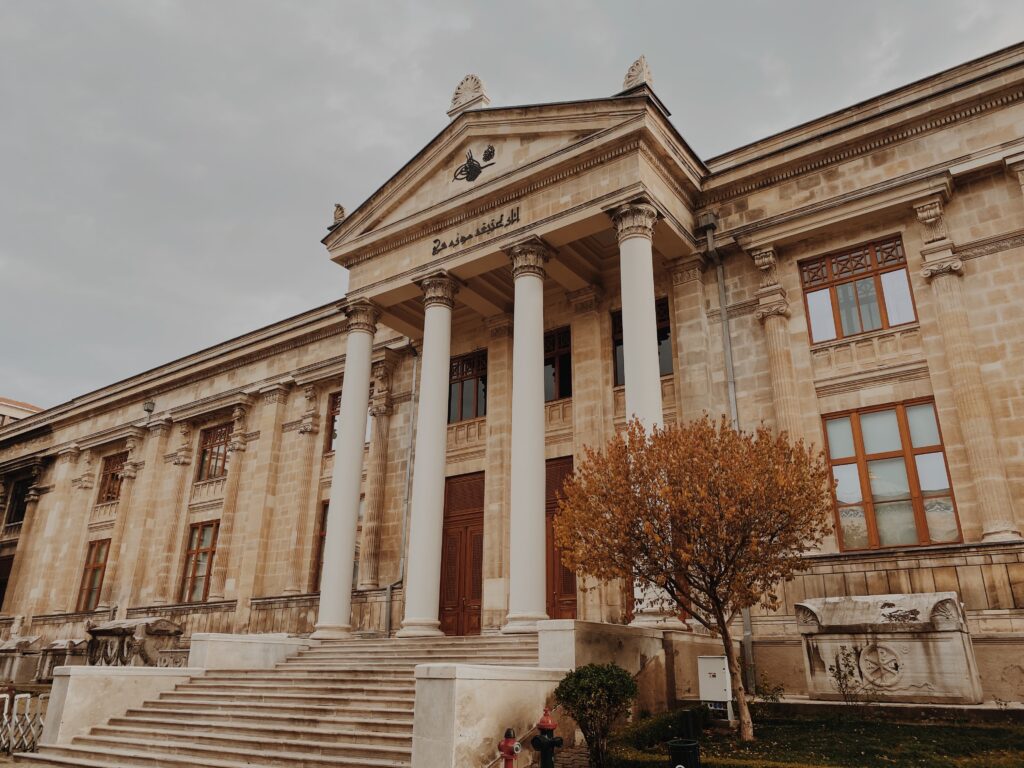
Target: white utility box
(713, 676)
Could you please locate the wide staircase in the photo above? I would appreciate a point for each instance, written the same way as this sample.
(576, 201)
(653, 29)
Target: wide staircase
(341, 703)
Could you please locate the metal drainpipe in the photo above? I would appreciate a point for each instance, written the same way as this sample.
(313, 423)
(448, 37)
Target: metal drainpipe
(413, 402)
(709, 222)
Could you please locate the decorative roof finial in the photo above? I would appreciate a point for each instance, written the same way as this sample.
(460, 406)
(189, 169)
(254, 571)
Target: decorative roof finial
(469, 94)
(339, 213)
(638, 74)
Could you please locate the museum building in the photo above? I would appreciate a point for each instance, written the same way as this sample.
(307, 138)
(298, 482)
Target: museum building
(389, 465)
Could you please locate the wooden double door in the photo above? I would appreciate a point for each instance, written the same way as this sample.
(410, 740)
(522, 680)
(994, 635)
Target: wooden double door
(462, 551)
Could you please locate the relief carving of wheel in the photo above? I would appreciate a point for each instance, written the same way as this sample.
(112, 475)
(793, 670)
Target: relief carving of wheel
(881, 666)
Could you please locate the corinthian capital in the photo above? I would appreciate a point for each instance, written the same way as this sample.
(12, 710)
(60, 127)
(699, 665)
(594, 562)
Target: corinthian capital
(528, 257)
(947, 267)
(777, 307)
(439, 288)
(362, 315)
(636, 219)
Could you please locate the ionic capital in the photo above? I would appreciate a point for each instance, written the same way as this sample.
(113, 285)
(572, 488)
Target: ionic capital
(159, 427)
(777, 307)
(439, 289)
(930, 214)
(68, 455)
(953, 267)
(636, 219)
(275, 393)
(528, 257)
(362, 315)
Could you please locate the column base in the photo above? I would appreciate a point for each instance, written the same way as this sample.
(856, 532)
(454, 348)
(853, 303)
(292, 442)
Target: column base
(420, 628)
(523, 623)
(1009, 533)
(332, 632)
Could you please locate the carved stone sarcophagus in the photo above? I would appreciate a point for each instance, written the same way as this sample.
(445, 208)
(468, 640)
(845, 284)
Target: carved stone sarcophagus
(130, 642)
(910, 648)
(19, 658)
(61, 653)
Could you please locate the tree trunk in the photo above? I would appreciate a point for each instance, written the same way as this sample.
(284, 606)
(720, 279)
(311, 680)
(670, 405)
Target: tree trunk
(736, 674)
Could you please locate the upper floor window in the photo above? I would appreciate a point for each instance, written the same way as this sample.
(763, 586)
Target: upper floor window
(664, 329)
(110, 477)
(213, 452)
(17, 501)
(92, 575)
(467, 387)
(858, 291)
(892, 482)
(557, 364)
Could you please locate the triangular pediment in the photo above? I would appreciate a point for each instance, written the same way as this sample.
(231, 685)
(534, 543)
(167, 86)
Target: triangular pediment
(478, 153)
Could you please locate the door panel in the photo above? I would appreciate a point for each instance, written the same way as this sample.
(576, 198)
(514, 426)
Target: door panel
(462, 555)
(561, 582)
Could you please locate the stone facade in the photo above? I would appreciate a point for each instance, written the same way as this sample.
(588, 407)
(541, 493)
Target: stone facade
(593, 215)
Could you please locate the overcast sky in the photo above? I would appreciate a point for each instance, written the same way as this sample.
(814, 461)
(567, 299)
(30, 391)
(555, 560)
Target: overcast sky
(167, 169)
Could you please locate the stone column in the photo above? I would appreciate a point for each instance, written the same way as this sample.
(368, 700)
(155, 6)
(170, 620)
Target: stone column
(945, 271)
(527, 601)
(249, 553)
(139, 540)
(376, 476)
(423, 574)
(773, 313)
(17, 600)
(309, 480)
(174, 530)
(220, 588)
(53, 534)
(496, 481)
(690, 336)
(335, 615)
(112, 575)
(66, 533)
(634, 224)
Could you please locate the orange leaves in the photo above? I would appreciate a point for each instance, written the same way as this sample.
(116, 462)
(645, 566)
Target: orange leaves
(707, 512)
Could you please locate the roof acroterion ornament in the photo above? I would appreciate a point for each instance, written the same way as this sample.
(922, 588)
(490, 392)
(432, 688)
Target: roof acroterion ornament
(638, 74)
(469, 94)
(339, 216)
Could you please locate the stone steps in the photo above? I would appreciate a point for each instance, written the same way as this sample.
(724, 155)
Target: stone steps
(340, 703)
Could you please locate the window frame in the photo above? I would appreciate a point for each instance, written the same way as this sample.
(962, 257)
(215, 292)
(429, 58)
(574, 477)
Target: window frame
(211, 438)
(333, 412)
(111, 477)
(908, 453)
(557, 344)
(471, 366)
(317, 569)
(188, 576)
(662, 322)
(12, 498)
(89, 597)
(875, 271)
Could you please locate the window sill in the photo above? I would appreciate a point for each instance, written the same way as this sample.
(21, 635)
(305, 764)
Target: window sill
(899, 550)
(866, 336)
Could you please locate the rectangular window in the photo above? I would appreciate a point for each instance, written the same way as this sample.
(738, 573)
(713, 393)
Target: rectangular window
(92, 575)
(17, 501)
(110, 477)
(664, 331)
(202, 546)
(557, 364)
(857, 291)
(6, 564)
(892, 481)
(213, 452)
(467, 387)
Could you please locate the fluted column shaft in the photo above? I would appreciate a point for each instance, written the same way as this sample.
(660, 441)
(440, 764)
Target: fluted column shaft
(335, 615)
(773, 313)
(309, 479)
(423, 577)
(111, 575)
(220, 588)
(527, 603)
(972, 406)
(376, 480)
(167, 585)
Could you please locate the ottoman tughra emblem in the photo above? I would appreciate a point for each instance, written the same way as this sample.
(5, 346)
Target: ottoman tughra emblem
(470, 170)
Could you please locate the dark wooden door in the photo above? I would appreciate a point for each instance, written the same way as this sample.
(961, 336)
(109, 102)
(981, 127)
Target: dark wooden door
(462, 555)
(561, 582)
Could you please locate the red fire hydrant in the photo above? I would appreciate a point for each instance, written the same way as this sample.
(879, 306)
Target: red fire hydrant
(509, 749)
(546, 742)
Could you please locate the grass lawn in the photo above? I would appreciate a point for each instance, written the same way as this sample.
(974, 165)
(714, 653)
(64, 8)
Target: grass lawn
(829, 741)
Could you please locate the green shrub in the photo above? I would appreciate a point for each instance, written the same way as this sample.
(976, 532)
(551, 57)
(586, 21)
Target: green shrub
(595, 696)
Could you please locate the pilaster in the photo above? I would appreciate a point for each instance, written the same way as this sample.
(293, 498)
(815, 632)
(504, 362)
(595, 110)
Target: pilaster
(176, 517)
(118, 551)
(300, 535)
(690, 334)
(220, 586)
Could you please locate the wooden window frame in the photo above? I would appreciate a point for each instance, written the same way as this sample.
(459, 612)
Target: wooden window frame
(188, 576)
(907, 452)
(462, 368)
(210, 439)
(558, 344)
(17, 496)
(663, 323)
(89, 597)
(111, 477)
(876, 270)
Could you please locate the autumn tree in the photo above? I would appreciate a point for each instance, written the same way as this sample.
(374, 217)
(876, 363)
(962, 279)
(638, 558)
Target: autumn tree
(712, 517)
